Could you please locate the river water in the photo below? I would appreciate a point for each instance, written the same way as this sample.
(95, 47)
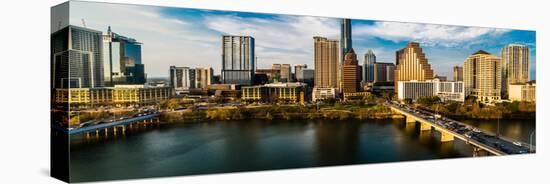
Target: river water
(249, 145)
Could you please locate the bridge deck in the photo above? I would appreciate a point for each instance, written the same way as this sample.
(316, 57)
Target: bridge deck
(483, 146)
(107, 125)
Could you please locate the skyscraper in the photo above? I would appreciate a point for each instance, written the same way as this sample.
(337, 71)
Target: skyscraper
(76, 58)
(412, 64)
(457, 73)
(326, 62)
(345, 45)
(368, 67)
(351, 75)
(238, 60)
(515, 65)
(122, 60)
(345, 38)
(482, 76)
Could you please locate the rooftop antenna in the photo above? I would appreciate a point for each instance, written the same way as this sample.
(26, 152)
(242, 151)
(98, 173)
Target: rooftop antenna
(83, 23)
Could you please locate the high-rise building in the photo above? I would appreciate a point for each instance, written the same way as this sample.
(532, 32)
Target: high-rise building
(412, 64)
(368, 67)
(238, 60)
(457, 73)
(515, 65)
(384, 72)
(482, 76)
(345, 38)
(76, 58)
(351, 75)
(326, 62)
(203, 77)
(122, 60)
(180, 78)
(345, 45)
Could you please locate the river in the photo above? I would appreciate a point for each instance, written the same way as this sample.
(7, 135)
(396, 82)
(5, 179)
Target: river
(248, 145)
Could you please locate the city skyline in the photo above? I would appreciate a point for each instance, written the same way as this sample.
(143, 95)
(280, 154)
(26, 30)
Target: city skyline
(284, 39)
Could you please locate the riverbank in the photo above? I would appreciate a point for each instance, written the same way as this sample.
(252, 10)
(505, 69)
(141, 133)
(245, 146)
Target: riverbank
(282, 112)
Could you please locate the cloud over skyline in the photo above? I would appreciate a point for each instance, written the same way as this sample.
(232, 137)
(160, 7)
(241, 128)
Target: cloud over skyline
(190, 37)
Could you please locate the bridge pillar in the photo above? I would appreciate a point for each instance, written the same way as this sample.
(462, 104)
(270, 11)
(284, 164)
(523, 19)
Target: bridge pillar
(446, 137)
(410, 119)
(478, 152)
(425, 127)
(106, 131)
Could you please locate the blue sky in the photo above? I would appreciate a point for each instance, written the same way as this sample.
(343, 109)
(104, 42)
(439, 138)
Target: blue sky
(190, 37)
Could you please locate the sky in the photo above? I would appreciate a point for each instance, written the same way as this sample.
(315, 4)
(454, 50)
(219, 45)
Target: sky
(192, 37)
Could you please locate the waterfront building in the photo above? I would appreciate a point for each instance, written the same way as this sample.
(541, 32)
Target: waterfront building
(238, 60)
(522, 92)
(445, 90)
(368, 67)
(482, 76)
(319, 94)
(76, 56)
(122, 60)
(412, 64)
(515, 65)
(457, 73)
(117, 95)
(351, 75)
(274, 93)
(384, 72)
(326, 62)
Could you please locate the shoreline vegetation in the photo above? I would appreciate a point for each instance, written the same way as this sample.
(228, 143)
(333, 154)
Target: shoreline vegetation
(281, 112)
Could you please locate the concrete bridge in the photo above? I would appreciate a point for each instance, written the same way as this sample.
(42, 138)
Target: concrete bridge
(115, 125)
(480, 149)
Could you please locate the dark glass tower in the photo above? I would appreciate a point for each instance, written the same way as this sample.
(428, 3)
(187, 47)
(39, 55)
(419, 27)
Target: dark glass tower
(345, 38)
(76, 58)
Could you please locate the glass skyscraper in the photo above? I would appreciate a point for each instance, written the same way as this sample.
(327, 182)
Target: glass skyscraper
(238, 60)
(368, 66)
(122, 60)
(76, 58)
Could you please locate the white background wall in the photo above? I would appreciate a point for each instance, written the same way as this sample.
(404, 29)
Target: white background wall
(24, 70)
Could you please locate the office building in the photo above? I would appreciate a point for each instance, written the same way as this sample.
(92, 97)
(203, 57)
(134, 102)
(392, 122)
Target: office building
(412, 64)
(384, 72)
(122, 60)
(351, 75)
(457, 73)
(274, 93)
(284, 72)
(238, 60)
(76, 56)
(453, 91)
(482, 76)
(326, 62)
(368, 67)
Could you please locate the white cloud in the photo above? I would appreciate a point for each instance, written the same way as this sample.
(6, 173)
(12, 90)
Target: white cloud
(428, 34)
(166, 41)
(283, 39)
